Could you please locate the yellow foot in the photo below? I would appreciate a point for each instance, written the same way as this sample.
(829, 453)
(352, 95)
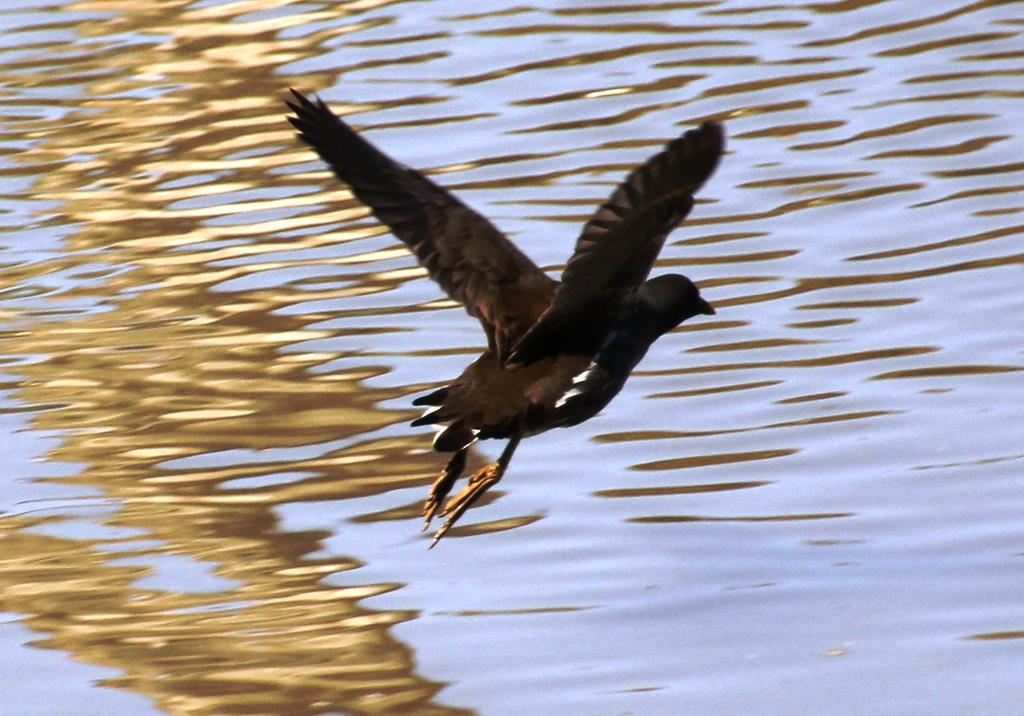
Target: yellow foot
(442, 486)
(432, 505)
(479, 483)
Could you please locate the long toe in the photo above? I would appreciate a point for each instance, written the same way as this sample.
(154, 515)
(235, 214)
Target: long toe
(442, 486)
(479, 483)
(430, 507)
(436, 497)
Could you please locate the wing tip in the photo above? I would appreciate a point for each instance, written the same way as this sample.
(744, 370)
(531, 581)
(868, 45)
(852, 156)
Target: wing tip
(712, 127)
(710, 137)
(299, 103)
(308, 112)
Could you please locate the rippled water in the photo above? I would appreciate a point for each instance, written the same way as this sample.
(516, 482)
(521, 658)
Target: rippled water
(810, 503)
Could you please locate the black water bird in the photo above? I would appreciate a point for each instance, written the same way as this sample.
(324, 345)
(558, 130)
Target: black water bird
(557, 351)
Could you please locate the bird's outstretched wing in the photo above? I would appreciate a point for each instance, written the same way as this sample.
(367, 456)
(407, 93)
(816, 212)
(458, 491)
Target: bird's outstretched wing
(620, 242)
(462, 251)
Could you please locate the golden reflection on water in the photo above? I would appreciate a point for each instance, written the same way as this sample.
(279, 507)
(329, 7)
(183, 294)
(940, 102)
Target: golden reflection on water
(169, 368)
(187, 354)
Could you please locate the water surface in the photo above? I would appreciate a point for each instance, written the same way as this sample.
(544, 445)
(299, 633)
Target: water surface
(809, 503)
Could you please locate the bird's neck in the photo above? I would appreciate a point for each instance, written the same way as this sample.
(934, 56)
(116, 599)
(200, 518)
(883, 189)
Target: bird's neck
(625, 345)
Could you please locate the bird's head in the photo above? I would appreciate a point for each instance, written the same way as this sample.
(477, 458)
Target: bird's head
(671, 299)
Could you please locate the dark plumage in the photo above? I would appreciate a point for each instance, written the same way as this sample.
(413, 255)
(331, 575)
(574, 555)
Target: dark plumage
(557, 351)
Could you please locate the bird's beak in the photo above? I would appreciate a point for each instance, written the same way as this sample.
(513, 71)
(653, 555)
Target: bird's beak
(706, 308)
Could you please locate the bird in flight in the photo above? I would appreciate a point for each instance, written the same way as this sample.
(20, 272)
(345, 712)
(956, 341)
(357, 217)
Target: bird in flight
(557, 351)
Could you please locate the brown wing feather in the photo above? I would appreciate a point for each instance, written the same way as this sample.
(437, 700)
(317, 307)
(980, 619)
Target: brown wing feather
(619, 244)
(473, 262)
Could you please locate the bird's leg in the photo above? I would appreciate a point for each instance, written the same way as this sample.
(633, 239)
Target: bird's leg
(481, 481)
(443, 485)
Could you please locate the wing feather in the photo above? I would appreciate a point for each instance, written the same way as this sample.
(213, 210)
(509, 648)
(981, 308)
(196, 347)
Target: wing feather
(620, 242)
(473, 262)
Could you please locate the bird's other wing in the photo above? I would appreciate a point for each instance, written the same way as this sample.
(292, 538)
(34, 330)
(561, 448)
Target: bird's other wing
(620, 242)
(473, 262)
